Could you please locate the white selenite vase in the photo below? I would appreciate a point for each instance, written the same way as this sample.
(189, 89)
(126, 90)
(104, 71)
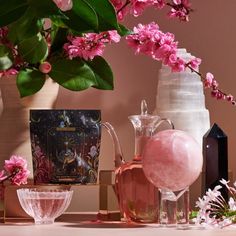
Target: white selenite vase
(180, 98)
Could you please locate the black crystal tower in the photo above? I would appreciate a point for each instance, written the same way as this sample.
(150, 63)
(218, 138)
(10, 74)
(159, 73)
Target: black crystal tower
(215, 154)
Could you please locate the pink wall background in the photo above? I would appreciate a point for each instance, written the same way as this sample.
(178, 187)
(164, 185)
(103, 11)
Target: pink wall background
(210, 35)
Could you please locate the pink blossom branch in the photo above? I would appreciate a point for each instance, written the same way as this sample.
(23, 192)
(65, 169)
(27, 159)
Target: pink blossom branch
(123, 7)
(179, 8)
(211, 83)
(151, 41)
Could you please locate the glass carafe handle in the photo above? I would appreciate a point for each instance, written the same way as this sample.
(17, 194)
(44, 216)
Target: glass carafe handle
(119, 160)
(161, 121)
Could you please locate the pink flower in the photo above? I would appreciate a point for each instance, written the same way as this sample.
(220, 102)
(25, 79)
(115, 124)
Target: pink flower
(45, 67)
(195, 62)
(111, 36)
(64, 5)
(138, 6)
(20, 178)
(230, 98)
(8, 72)
(149, 40)
(208, 80)
(178, 66)
(180, 9)
(177, 2)
(90, 45)
(17, 168)
(86, 47)
(135, 7)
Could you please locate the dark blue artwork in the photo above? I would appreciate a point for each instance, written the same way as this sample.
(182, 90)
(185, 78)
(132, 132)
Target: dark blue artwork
(65, 145)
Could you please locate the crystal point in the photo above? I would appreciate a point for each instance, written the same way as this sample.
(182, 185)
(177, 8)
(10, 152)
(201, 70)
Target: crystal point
(215, 152)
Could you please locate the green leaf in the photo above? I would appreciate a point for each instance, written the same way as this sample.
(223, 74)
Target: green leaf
(29, 82)
(102, 72)
(72, 74)
(59, 38)
(82, 17)
(5, 58)
(106, 14)
(11, 10)
(34, 49)
(25, 27)
(45, 9)
(123, 31)
(58, 22)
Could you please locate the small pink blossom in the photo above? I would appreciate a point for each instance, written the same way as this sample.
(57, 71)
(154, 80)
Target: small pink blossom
(224, 182)
(214, 210)
(230, 98)
(180, 9)
(135, 7)
(177, 2)
(138, 6)
(195, 62)
(90, 45)
(8, 72)
(64, 5)
(17, 168)
(208, 80)
(110, 36)
(45, 67)
(232, 204)
(178, 66)
(84, 47)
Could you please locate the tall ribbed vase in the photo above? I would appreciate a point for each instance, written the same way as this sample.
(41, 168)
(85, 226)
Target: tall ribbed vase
(180, 98)
(14, 119)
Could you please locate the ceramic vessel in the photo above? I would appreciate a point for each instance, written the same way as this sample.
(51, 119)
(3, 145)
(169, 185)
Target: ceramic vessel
(14, 119)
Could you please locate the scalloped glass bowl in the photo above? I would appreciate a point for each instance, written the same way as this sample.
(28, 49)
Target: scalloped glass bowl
(44, 205)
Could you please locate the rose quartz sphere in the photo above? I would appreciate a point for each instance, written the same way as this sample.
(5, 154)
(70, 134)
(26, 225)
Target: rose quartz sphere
(172, 160)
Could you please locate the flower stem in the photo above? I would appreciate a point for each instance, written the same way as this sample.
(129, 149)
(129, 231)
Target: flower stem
(10, 176)
(223, 94)
(123, 7)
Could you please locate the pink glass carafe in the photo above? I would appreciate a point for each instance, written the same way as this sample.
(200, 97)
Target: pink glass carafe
(138, 198)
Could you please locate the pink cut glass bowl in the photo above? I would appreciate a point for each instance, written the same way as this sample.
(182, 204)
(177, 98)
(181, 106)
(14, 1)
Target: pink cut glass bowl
(44, 205)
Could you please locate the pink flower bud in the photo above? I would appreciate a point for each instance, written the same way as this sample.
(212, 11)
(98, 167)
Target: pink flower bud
(45, 67)
(230, 98)
(219, 96)
(214, 93)
(64, 5)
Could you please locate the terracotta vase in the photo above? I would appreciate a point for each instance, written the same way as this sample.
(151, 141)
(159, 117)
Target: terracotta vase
(14, 119)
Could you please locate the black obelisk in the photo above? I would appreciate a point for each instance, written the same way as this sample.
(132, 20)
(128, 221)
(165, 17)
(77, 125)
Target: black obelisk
(215, 154)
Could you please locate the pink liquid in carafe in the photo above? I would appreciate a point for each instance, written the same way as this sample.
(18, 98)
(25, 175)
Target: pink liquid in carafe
(138, 198)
